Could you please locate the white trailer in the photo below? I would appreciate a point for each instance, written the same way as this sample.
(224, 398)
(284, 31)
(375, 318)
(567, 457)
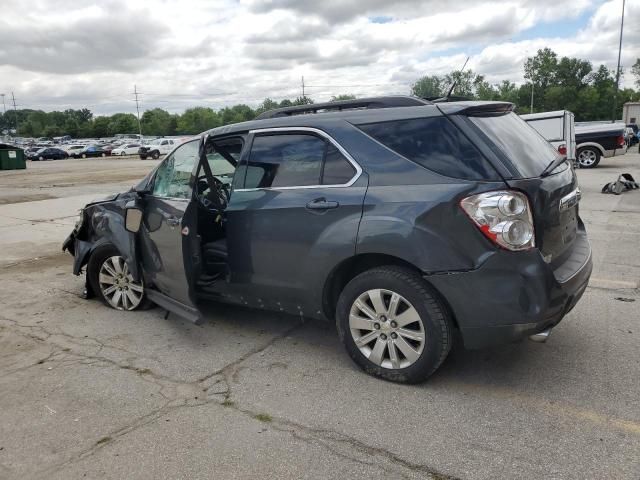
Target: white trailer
(558, 128)
(631, 113)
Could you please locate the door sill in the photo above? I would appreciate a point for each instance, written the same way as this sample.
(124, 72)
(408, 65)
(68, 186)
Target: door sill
(188, 313)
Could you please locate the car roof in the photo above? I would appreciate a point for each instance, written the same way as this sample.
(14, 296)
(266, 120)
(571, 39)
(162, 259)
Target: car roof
(361, 116)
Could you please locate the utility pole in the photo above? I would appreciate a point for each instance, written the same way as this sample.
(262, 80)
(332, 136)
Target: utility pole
(4, 108)
(615, 95)
(15, 110)
(135, 92)
(531, 98)
(303, 87)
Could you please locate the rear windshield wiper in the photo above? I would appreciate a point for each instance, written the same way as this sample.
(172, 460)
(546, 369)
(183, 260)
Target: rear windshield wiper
(553, 165)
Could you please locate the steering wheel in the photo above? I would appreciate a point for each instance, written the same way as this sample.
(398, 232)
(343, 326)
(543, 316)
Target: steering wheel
(203, 184)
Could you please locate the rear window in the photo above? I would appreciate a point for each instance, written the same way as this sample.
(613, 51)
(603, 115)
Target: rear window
(436, 144)
(525, 148)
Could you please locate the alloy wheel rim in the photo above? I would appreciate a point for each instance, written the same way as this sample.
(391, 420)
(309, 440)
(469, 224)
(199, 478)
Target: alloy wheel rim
(587, 157)
(387, 329)
(117, 284)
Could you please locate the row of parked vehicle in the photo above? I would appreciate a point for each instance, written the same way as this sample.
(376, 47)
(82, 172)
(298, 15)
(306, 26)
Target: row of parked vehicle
(59, 153)
(151, 149)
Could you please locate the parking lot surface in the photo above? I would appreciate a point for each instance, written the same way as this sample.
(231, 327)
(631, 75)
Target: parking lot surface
(90, 392)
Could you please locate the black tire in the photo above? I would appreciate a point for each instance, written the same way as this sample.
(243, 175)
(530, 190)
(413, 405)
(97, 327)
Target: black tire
(155, 155)
(143, 157)
(433, 314)
(592, 153)
(96, 260)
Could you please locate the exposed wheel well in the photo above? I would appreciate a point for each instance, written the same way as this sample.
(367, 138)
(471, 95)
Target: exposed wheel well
(350, 268)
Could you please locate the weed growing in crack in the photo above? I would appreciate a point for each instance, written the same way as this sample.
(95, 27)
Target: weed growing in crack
(263, 417)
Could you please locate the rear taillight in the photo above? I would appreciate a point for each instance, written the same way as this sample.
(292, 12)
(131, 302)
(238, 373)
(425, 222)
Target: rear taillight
(562, 149)
(504, 217)
(621, 141)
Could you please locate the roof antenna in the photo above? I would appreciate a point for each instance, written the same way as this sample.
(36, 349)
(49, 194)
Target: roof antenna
(455, 82)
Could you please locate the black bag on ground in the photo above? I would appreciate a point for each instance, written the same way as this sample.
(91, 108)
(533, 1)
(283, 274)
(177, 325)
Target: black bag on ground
(625, 182)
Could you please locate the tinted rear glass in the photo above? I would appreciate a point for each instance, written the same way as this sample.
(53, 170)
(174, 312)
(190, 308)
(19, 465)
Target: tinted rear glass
(436, 144)
(525, 148)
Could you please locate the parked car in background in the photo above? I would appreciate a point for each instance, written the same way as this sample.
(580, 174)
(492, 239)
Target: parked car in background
(126, 149)
(558, 128)
(157, 147)
(636, 133)
(108, 148)
(71, 149)
(398, 220)
(91, 151)
(47, 153)
(597, 140)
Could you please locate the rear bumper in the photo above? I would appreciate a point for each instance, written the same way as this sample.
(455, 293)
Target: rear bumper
(615, 152)
(513, 295)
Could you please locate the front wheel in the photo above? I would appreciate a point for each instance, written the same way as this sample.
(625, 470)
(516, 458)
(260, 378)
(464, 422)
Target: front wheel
(84, 155)
(111, 280)
(103, 154)
(155, 155)
(588, 157)
(393, 325)
(122, 154)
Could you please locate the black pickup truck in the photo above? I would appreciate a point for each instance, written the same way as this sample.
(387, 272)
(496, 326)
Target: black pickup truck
(597, 140)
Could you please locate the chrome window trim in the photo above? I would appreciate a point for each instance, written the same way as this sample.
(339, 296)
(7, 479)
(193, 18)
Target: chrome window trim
(320, 133)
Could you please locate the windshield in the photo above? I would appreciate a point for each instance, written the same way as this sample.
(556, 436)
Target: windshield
(525, 148)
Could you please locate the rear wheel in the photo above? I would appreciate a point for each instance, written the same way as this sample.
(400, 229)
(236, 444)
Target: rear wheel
(111, 280)
(41, 158)
(588, 157)
(103, 154)
(393, 325)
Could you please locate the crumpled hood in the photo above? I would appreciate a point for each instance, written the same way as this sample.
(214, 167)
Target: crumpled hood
(108, 198)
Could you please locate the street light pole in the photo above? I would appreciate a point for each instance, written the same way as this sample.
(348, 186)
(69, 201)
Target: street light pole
(615, 94)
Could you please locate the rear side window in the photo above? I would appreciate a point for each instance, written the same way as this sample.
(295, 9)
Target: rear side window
(296, 160)
(436, 144)
(527, 151)
(337, 169)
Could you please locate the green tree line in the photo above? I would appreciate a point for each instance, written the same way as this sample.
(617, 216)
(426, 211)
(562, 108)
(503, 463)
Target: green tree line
(556, 83)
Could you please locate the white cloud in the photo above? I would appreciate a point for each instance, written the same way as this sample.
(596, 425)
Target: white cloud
(221, 52)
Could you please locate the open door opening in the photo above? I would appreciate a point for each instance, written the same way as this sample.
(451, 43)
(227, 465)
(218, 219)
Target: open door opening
(212, 192)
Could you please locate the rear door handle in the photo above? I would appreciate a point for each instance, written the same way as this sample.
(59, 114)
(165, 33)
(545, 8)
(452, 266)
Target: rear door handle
(322, 204)
(173, 221)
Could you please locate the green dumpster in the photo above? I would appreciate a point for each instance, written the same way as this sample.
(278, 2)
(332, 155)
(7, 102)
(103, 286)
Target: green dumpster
(11, 158)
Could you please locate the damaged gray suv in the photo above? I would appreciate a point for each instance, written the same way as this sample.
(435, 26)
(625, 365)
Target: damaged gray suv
(404, 221)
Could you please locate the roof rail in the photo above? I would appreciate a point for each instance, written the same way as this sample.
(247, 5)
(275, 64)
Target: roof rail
(360, 103)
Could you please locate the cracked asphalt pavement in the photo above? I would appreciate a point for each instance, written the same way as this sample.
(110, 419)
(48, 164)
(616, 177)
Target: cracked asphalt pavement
(90, 392)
